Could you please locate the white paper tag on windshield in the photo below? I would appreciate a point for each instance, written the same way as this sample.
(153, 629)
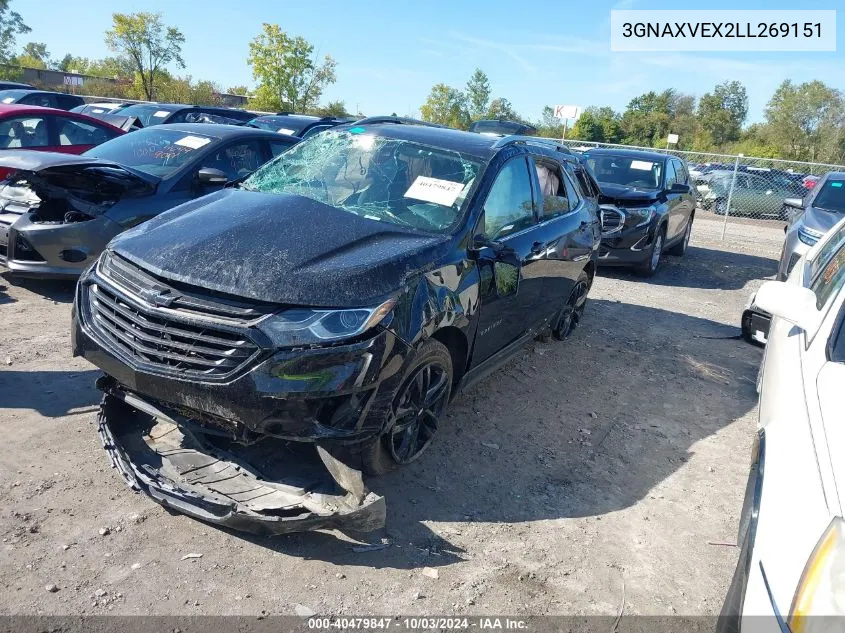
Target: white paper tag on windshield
(285, 130)
(434, 190)
(194, 142)
(160, 113)
(643, 165)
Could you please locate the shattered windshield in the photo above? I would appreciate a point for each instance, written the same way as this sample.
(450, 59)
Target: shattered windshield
(283, 124)
(147, 114)
(389, 180)
(159, 151)
(626, 171)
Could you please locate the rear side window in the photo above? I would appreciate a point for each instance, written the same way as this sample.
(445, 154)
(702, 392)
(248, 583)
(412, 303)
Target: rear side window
(35, 99)
(553, 190)
(24, 132)
(277, 147)
(681, 173)
(66, 102)
(73, 132)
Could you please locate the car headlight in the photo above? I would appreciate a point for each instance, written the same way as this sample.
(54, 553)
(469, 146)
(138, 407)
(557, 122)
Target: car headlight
(822, 587)
(809, 236)
(639, 216)
(305, 326)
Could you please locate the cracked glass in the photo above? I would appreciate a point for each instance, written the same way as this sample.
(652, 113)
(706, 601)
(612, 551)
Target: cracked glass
(390, 180)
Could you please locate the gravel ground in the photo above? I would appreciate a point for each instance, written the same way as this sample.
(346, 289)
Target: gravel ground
(617, 459)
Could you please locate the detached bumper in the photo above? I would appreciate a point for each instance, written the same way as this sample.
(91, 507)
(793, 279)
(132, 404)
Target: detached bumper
(262, 489)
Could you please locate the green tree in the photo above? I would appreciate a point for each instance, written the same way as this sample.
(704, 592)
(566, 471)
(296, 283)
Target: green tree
(447, 106)
(478, 93)
(599, 124)
(11, 25)
(148, 43)
(34, 55)
(722, 112)
(332, 108)
(290, 75)
(238, 90)
(501, 108)
(805, 121)
(549, 125)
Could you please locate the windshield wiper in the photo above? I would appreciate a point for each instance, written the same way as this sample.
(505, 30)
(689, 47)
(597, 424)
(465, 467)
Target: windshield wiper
(829, 210)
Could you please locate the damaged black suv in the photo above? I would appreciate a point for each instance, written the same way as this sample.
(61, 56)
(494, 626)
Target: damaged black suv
(339, 296)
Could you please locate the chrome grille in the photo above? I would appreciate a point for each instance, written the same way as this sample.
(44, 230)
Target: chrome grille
(612, 219)
(167, 341)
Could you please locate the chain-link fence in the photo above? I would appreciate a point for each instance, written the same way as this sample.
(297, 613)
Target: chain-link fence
(737, 186)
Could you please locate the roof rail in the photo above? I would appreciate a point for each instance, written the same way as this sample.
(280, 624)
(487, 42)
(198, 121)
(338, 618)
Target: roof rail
(532, 140)
(371, 120)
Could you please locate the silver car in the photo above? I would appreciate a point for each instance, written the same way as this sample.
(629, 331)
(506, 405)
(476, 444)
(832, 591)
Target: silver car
(809, 220)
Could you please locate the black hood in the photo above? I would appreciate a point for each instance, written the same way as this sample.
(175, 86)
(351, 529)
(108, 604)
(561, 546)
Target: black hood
(279, 248)
(37, 162)
(612, 193)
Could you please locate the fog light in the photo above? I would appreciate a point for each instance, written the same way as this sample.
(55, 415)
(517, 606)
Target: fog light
(73, 256)
(25, 251)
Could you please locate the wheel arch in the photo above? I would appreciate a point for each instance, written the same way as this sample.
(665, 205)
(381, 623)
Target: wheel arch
(456, 342)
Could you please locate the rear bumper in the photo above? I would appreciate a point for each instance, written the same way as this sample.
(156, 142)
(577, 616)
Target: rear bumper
(182, 471)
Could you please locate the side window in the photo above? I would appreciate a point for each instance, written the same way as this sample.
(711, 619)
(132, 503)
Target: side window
(830, 278)
(671, 177)
(277, 147)
(555, 196)
(36, 99)
(509, 207)
(314, 130)
(586, 183)
(681, 173)
(66, 102)
(571, 191)
(24, 132)
(759, 184)
(236, 160)
(73, 132)
(180, 117)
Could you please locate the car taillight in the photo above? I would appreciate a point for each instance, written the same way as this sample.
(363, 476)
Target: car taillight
(6, 173)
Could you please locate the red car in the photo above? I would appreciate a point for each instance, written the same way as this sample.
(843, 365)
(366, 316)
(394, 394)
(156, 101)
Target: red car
(51, 130)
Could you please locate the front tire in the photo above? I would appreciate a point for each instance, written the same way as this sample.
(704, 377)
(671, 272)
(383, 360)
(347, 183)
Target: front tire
(649, 267)
(415, 413)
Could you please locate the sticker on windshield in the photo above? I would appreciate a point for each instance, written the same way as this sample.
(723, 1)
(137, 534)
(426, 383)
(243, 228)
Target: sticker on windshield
(286, 130)
(643, 165)
(356, 130)
(8, 100)
(836, 184)
(160, 114)
(194, 142)
(443, 192)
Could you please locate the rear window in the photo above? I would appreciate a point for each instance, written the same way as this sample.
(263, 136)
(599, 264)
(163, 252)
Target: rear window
(147, 114)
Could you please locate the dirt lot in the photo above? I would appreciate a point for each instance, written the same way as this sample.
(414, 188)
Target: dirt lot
(618, 458)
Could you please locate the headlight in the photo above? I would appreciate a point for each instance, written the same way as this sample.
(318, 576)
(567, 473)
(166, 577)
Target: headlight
(809, 236)
(638, 216)
(822, 587)
(304, 326)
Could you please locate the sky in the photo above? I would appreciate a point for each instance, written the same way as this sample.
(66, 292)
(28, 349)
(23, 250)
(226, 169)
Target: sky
(389, 54)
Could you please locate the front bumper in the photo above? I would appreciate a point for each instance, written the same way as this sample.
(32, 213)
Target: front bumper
(250, 489)
(52, 250)
(627, 247)
(337, 393)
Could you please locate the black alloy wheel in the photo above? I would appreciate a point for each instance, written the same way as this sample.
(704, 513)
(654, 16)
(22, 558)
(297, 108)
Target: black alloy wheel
(573, 311)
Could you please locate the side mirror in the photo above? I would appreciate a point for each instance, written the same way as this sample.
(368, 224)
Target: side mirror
(792, 303)
(484, 248)
(795, 203)
(211, 176)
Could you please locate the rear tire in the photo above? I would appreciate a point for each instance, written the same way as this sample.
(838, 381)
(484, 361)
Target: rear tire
(573, 312)
(649, 267)
(681, 247)
(415, 413)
